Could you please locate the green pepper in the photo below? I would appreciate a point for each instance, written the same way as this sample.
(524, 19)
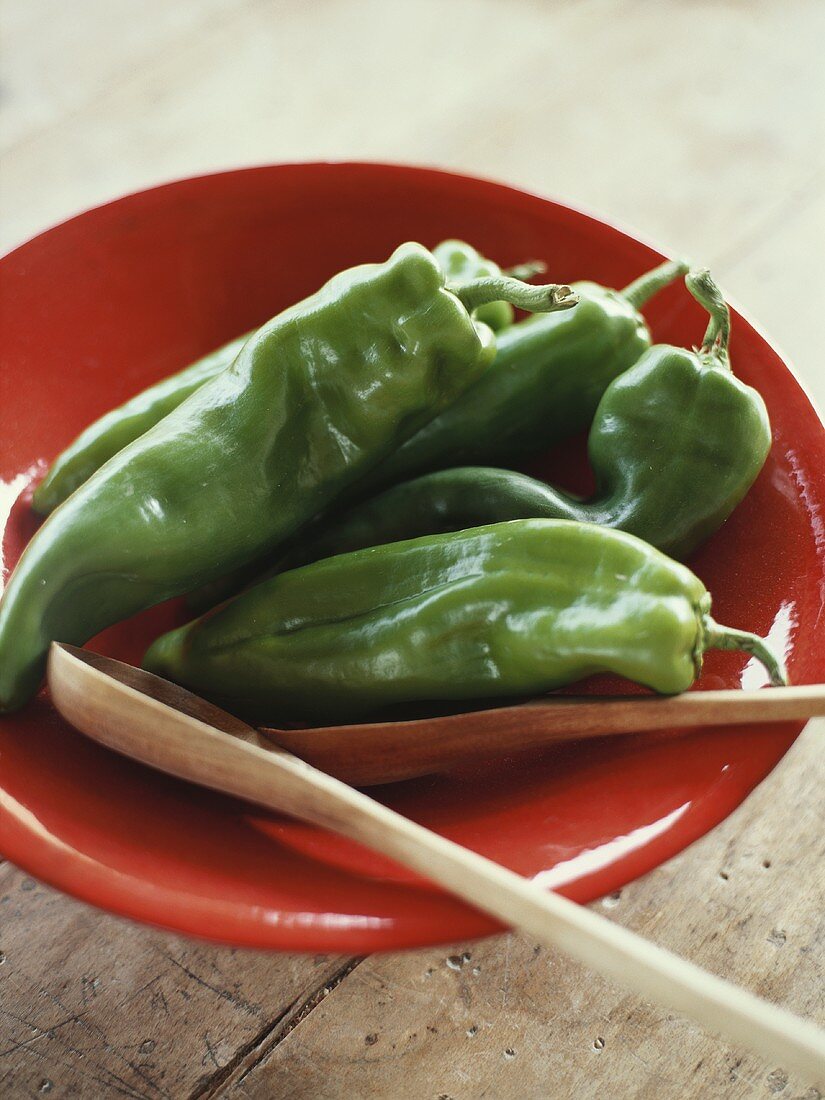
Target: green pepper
(548, 377)
(121, 426)
(112, 432)
(316, 397)
(676, 442)
(515, 608)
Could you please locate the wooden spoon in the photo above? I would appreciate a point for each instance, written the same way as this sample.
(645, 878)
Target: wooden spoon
(159, 724)
(386, 751)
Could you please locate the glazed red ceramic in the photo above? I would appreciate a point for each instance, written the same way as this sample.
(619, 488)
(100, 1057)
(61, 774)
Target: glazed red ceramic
(99, 307)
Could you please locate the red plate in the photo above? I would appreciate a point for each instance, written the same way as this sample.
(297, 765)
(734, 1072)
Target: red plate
(99, 307)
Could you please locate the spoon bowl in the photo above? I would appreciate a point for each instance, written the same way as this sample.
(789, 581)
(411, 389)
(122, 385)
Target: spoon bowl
(385, 752)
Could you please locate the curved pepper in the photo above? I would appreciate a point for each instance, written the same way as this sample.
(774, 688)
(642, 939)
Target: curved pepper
(117, 428)
(676, 442)
(515, 608)
(316, 397)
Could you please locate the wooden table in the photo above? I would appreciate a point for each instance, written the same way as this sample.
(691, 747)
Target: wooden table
(699, 123)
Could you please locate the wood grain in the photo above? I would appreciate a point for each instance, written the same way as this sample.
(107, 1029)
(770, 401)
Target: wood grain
(686, 120)
(43, 83)
(507, 1018)
(102, 1008)
(168, 728)
(779, 281)
(700, 123)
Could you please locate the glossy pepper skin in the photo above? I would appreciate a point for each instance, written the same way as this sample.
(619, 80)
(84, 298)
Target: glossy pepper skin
(514, 608)
(119, 427)
(676, 442)
(546, 381)
(548, 377)
(318, 396)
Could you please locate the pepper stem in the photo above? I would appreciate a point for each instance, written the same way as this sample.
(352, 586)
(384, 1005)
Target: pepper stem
(642, 289)
(725, 637)
(503, 288)
(707, 294)
(525, 271)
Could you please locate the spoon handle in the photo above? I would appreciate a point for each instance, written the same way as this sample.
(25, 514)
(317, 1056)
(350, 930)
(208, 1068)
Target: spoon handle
(595, 941)
(236, 760)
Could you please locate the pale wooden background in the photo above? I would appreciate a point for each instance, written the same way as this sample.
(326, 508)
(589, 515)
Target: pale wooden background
(701, 125)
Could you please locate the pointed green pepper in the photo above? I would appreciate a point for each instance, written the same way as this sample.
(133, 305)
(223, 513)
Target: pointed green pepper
(313, 401)
(119, 427)
(510, 609)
